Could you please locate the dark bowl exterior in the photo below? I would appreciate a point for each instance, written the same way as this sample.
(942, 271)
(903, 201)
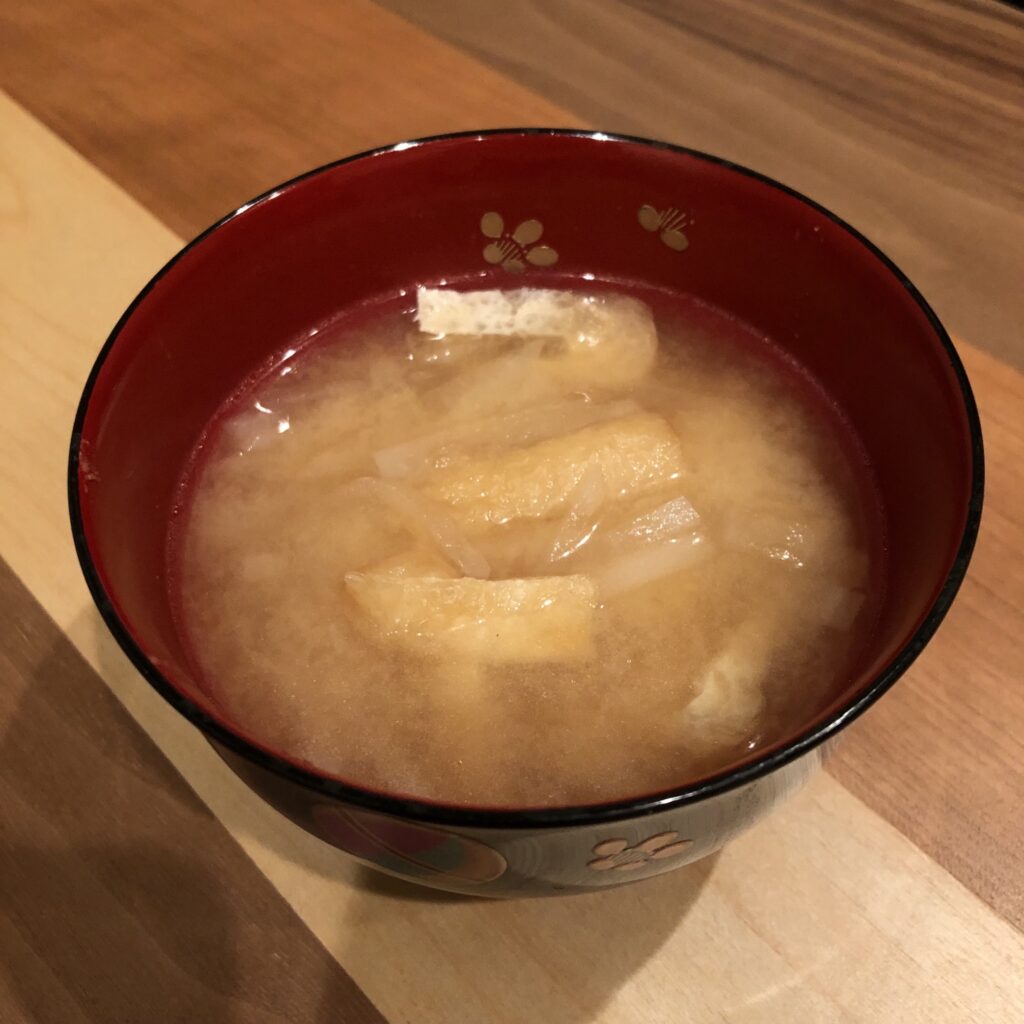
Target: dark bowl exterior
(515, 862)
(639, 214)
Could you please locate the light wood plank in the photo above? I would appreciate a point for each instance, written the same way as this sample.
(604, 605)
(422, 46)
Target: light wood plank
(823, 913)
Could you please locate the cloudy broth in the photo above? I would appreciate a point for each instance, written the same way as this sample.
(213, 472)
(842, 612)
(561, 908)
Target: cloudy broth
(590, 552)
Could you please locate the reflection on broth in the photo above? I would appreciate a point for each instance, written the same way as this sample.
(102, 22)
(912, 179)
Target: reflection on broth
(525, 547)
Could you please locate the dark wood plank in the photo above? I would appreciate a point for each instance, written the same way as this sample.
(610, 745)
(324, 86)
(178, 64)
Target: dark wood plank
(195, 107)
(123, 898)
(904, 116)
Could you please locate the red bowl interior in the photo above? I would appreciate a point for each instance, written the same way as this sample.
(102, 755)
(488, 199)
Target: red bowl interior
(373, 225)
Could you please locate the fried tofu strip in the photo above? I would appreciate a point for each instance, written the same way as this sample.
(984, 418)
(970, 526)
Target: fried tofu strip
(484, 621)
(635, 455)
(605, 340)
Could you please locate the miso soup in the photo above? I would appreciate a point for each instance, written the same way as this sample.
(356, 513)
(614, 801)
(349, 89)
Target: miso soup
(526, 548)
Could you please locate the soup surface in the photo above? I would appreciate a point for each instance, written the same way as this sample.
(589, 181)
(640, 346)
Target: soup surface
(533, 548)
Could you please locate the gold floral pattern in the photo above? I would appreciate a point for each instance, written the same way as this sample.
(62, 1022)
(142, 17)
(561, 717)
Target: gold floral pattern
(669, 224)
(618, 855)
(513, 250)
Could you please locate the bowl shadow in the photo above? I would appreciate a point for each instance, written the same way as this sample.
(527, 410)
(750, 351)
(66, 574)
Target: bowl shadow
(560, 958)
(123, 896)
(450, 957)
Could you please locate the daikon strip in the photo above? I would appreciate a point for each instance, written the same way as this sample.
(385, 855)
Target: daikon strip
(523, 427)
(428, 518)
(654, 561)
(580, 521)
(670, 519)
(510, 381)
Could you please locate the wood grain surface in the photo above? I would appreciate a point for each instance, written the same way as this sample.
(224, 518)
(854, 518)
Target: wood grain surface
(893, 888)
(194, 107)
(109, 913)
(941, 757)
(905, 118)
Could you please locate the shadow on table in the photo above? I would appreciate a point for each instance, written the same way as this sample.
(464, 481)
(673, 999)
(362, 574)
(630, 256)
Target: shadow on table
(558, 958)
(122, 898)
(456, 958)
(110, 931)
(163, 913)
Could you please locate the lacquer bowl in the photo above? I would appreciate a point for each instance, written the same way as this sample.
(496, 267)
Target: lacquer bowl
(513, 208)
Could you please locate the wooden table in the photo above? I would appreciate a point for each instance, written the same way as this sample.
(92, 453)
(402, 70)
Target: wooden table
(139, 880)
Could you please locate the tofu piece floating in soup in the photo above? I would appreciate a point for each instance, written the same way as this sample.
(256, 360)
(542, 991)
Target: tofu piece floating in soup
(730, 690)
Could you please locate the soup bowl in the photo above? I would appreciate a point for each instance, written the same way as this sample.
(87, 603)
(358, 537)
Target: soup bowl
(513, 208)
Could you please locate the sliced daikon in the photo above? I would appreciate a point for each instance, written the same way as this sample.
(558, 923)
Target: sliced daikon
(428, 519)
(669, 519)
(580, 522)
(522, 427)
(618, 574)
(508, 382)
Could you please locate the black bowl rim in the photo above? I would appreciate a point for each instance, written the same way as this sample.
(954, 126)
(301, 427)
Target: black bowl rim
(438, 813)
